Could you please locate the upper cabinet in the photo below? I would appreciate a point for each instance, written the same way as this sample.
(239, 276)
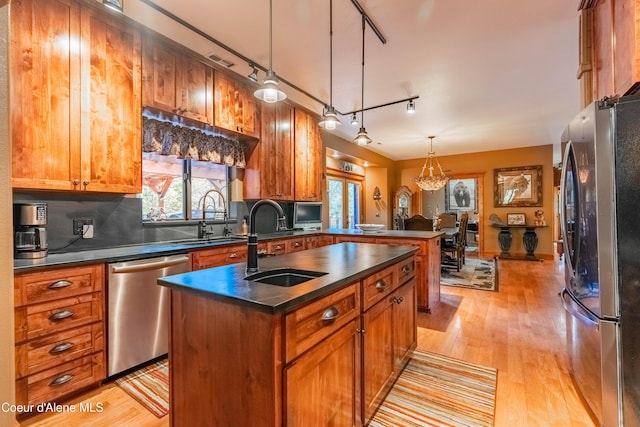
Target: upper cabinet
(176, 83)
(308, 158)
(74, 99)
(236, 108)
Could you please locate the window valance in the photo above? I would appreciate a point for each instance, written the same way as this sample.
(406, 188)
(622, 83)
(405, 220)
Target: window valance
(171, 140)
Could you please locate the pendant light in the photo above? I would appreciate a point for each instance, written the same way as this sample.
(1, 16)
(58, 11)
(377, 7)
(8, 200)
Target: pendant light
(330, 119)
(362, 138)
(269, 91)
(431, 182)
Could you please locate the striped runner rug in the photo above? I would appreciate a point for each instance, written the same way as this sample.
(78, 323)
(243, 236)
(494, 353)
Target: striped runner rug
(149, 386)
(435, 390)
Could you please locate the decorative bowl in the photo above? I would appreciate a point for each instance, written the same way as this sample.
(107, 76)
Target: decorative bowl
(370, 228)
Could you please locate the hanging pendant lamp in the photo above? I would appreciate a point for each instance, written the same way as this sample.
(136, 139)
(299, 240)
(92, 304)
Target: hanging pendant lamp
(362, 138)
(431, 182)
(330, 119)
(269, 92)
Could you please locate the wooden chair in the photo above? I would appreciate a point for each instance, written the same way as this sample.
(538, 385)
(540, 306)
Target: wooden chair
(418, 222)
(456, 246)
(447, 220)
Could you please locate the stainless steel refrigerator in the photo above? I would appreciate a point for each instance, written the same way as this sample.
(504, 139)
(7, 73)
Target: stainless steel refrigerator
(600, 210)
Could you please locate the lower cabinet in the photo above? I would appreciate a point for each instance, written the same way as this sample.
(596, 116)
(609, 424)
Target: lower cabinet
(207, 258)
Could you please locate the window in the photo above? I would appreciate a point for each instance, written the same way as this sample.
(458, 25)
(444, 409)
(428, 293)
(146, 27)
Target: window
(173, 189)
(344, 202)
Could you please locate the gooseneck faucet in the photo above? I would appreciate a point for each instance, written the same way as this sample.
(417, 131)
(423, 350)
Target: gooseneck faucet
(202, 230)
(252, 249)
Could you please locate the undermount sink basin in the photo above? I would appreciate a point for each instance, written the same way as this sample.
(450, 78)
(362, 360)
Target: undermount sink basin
(284, 276)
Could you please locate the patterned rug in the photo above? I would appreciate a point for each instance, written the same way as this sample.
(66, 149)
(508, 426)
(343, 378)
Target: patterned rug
(435, 390)
(476, 273)
(149, 386)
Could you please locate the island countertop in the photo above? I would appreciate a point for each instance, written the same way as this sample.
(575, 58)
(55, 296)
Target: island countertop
(344, 263)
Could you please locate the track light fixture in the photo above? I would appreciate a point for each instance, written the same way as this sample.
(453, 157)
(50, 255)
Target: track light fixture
(113, 4)
(269, 91)
(330, 118)
(254, 73)
(354, 119)
(362, 138)
(411, 107)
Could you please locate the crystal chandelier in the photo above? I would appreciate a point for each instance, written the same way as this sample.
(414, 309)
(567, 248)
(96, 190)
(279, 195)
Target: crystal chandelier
(431, 182)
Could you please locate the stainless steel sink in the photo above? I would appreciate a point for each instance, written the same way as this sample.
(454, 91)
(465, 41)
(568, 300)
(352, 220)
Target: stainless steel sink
(284, 276)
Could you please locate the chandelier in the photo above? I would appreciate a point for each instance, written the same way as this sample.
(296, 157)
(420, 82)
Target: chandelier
(431, 182)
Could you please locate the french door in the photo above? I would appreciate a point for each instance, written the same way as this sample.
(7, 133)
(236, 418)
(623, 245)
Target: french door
(345, 202)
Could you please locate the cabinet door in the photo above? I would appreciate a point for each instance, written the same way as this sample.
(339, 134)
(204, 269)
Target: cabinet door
(111, 90)
(308, 158)
(250, 114)
(433, 272)
(378, 354)
(159, 84)
(225, 102)
(208, 258)
(195, 90)
(276, 152)
(404, 317)
(44, 70)
(320, 387)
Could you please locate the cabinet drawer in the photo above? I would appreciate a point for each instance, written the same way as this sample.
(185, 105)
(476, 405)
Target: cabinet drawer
(41, 319)
(406, 269)
(308, 325)
(61, 380)
(420, 244)
(61, 283)
(45, 353)
(295, 245)
(277, 248)
(378, 285)
(217, 257)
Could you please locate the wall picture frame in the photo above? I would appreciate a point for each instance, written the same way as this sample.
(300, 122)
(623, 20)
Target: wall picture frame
(461, 194)
(518, 187)
(516, 219)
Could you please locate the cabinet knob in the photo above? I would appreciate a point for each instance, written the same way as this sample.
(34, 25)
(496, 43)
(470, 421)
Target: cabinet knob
(61, 379)
(233, 255)
(85, 182)
(406, 269)
(76, 181)
(381, 285)
(330, 314)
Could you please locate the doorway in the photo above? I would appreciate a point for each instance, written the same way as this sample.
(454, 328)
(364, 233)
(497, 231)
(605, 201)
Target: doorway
(345, 202)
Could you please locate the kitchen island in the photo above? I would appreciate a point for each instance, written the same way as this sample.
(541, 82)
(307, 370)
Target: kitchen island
(323, 352)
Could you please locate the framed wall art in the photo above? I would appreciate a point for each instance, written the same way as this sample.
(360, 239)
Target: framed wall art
(521, 186)
(516, 219)
(461, 194)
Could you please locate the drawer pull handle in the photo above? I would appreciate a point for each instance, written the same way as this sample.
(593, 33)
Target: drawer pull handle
(61, 315)
(330, 314)
(277, 247)
(381, 285)
(406, 269)
(61, 379)
(297, 244)
(61, 347)
(60, 284)
(233, 255)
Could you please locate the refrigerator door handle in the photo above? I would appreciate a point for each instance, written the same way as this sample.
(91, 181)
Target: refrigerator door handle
(576, 311)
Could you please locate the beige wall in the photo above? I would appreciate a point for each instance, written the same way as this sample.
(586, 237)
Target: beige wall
(6, 251)
(484, 163)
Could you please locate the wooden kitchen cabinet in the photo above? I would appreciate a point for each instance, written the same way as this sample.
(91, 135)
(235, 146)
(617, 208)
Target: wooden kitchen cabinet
(59, 332)
(77, 125)
(236, 109)
(308, 158)
(269, 172)
(176, 82)
(215, 257)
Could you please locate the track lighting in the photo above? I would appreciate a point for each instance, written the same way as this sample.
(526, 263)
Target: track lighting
(113, 4)
(362, 138)
(254, 73)
(330, 119)
(411, 107)
(354, 120)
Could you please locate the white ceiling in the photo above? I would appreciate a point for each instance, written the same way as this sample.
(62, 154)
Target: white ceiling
(490, 74)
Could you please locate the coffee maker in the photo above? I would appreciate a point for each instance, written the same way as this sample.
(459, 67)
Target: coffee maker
(30, 234)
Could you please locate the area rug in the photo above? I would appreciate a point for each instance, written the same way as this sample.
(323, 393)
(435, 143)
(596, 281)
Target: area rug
(149, 386)
(435, 390)
(476, 273)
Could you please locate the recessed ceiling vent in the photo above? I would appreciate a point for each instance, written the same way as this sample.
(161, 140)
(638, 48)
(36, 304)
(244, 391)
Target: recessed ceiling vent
(218, 60)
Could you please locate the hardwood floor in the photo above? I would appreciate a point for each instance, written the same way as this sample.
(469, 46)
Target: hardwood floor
(520, 330)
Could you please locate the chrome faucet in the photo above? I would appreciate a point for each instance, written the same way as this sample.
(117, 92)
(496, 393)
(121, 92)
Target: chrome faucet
(252, 256)
(202, 229)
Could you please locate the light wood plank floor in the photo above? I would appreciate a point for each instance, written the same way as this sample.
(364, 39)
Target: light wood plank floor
(520, 330)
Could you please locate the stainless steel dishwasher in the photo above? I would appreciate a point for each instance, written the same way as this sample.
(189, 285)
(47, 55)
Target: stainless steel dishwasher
(138, 318)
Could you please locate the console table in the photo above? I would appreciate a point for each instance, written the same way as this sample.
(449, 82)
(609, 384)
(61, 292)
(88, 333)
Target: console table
(529, 240)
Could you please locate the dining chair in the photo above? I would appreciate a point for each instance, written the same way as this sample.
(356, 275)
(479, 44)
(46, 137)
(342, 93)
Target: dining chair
(418, 222)
(456, 245)
(447, 220)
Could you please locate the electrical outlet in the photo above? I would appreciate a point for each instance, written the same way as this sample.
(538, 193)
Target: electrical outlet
(83, 227)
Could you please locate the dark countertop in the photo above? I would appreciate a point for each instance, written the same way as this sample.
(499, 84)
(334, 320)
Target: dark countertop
(344, 263)
(149, 250)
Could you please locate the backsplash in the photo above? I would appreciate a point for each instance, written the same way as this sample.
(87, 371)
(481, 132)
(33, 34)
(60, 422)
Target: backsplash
(118, 220)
